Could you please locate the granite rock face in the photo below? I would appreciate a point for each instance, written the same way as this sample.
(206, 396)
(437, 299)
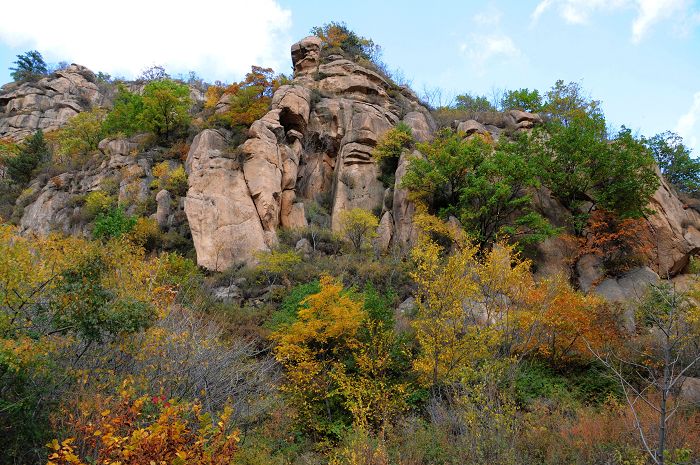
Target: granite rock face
(314, 146)
(122, 169)
(48, 103)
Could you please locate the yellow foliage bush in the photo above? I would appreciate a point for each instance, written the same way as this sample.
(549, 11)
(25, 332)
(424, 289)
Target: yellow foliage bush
(97, 202)
(358, 226)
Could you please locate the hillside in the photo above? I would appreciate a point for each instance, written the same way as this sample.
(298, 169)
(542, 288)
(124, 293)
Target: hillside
(324, 268)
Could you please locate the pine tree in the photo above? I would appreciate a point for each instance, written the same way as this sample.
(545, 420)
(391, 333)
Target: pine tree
(30, 65)
(32, 152)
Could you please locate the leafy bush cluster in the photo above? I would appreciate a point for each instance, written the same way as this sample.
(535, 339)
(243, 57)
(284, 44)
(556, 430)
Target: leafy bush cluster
(162, 108)
(247, 100)
(338, 38)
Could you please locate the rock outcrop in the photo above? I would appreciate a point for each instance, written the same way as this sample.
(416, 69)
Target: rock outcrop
(48, 103)
(675, 230)
(314, 145)
(122, 168)
(221, 213)
(310, 153)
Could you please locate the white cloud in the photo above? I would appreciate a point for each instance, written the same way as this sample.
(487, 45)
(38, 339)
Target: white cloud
(688, 126)
(649, 12)
(481, 49)
(653, 11)
(219, 39)
(576, 11)
(489, 17)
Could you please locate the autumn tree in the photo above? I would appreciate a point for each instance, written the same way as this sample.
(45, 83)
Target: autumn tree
(620, 243)
(60, 296)
(134, 430)
(471, 331)
(340, 360)
(566, 322)
(469, 307)
(324, 333)
(358, 226)
(247, 100)
(388, 151)
(165, 107)
(652, 368)
(443, 332)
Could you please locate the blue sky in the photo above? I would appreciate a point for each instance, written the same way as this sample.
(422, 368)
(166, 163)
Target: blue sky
(639, 57)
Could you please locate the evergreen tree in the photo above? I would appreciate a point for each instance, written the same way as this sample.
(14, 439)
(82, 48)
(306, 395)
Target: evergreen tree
(30, 65)
(32, 152)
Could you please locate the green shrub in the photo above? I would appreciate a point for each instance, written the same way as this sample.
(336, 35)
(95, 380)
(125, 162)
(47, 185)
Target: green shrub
(522, 99)
(114, 223)
(125, 115)
(166, 105)
(488, 188)
(287, 312)
(389, 149)
(176, 181)
(675, 161)
(146, 233)
(475, 103)
(338, 38)
(80, 135)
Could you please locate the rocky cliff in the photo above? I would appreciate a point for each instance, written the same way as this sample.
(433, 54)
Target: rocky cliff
(48, 103)
(314, 147)
(315, 144)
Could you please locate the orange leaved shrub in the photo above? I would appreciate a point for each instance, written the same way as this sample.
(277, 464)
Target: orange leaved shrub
(130, 430)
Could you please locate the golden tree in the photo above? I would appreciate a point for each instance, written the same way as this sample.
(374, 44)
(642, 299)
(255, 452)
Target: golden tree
(358, 226)
(324, 333)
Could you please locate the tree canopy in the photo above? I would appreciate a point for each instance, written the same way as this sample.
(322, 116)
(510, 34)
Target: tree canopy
(28, 66)
(486, 187)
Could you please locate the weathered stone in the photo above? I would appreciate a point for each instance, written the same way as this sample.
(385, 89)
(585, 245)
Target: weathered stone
(628, 289)
(690, 391)
(385, 231)
(675, 232)
(297, 216)
(405, 233)
(227, 294)
(470, 127)
(222, 216)
(590, 272)
(421, 124)
(47, 104)
(303, 247)
(306, 55)
(163, 208)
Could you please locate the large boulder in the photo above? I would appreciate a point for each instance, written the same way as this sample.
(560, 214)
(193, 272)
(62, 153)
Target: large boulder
(306, 55)
(675, 230)
(628, 290)
(221, 213)
(48, 103)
